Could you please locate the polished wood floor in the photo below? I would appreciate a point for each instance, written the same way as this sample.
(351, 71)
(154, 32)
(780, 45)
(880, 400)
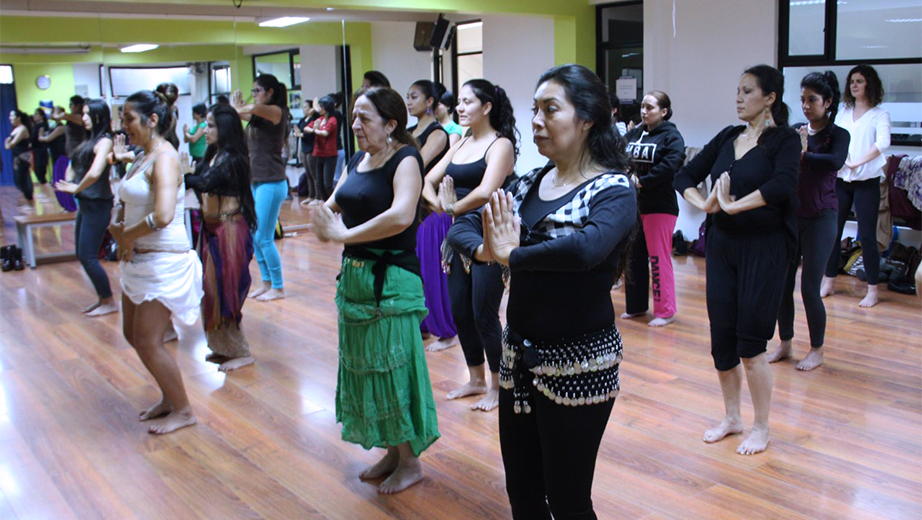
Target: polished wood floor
(847, 437)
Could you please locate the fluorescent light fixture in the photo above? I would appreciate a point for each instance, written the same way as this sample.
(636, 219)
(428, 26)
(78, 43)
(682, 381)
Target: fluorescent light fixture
(141, 47)
(284, 21)
(875, 46)
(461, 26)
(6, 74)
(330, 9)
(905, 20)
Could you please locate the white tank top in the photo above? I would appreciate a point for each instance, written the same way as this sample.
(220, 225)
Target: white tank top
(138, 198)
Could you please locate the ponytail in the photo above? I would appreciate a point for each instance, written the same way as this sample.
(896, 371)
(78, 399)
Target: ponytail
(279, 91)
(501, 117)
(771, 80)
(827, 86)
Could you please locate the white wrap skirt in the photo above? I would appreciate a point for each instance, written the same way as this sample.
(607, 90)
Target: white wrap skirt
(173, 279)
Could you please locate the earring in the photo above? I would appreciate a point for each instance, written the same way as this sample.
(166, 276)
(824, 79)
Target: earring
(768, 118)
(389, 139)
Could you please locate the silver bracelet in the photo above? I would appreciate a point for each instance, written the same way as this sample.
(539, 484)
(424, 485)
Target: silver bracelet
(150, 222)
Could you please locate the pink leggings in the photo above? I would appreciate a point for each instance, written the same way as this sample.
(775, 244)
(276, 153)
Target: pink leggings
(653, 248)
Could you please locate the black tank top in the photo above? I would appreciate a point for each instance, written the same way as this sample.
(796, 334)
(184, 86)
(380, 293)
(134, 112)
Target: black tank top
(468, 176)
(423, 137)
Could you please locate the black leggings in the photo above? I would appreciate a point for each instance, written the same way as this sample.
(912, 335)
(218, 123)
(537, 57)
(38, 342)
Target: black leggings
(745, 279)
(549, 456)
(22, 177)
(93, 217)
(866, 197)
(326, 168)
(475, 300)
(816, 235)
(40, 157)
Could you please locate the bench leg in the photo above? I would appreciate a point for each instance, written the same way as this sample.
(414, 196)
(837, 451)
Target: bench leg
(30, 249)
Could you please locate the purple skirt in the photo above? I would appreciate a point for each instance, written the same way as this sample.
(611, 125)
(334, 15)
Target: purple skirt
(429, 238)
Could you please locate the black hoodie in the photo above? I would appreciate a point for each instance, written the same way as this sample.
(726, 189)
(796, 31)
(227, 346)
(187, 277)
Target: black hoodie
(656, 158)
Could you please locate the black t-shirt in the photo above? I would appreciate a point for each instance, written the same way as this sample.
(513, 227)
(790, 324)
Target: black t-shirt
(366, 194)
(424, 137)
(34, 134)
(307, 138)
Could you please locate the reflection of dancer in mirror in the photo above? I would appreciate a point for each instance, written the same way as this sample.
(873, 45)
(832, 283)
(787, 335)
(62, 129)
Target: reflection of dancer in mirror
(161, 276)
(87, 178)
(383, 394)
(463, 181)
(18, 145)
(824, 148)
(195, 136)
(222, 178)
(40, 148)
(433, 141)
(563, 230)
(859, 180)
(751, 236)
(266, 135)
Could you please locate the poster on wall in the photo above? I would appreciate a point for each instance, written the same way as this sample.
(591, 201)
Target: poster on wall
(294, 100)
(626, 89)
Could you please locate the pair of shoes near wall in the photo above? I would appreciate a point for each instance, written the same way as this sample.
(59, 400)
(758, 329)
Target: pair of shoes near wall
(11, 259)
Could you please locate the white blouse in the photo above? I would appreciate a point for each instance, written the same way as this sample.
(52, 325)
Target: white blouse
(871, 129)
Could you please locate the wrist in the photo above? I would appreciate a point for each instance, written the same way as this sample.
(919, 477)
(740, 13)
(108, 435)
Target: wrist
(450, 209)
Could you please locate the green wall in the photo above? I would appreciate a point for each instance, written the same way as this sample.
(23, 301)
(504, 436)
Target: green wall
(27, 92)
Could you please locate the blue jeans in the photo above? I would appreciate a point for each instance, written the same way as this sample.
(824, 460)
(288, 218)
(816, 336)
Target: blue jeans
(268, 197)
(93, 217)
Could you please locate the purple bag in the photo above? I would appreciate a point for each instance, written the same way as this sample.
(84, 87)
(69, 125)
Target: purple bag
(66, 200)
(698, 249)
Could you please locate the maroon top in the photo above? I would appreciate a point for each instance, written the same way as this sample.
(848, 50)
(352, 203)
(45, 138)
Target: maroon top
(825, 156)
(325, 146)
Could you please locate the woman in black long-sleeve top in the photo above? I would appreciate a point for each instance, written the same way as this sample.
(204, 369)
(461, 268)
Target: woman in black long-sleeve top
(751, 238)
(561, 349)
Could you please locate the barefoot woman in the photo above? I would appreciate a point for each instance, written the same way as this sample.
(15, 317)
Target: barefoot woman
(383, 394)
(161, 276)
(751, 237)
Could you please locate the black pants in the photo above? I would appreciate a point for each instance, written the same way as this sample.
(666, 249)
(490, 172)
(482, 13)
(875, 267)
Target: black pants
(324, 172)
(745, 279)
(40, 158)
(22, 177)
(549, 456)
(93, 217)
(866, 197)
(475, 300)
(815, 236)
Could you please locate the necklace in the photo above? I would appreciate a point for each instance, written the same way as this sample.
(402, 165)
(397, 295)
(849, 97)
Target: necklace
(556, 184)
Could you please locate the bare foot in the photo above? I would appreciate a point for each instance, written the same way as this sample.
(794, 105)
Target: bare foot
(216, 358)
(471, 388)
(306, 202)
(403, 477)
(871, 299)
(489, 401)
(726, 427)
(782, 352)
(442, 344)
(383, 467)
(661, 322)
(171, 423)
(814, 359)
(235, 363)
(158, 410)
(757, 442)
(102, 310)
(91, 308)
(828, 287)
(271, 294)
(628, 316)
(265, 287)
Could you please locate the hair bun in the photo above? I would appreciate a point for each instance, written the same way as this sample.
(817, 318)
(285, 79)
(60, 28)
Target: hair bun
(168, 93)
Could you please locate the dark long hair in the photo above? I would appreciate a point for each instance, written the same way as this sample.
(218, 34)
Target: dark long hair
(24, 119)
(448, 99)
(232, 145)
(874, 89)
(501, 117)
(827, 86)
(170, 93)
(147, 103)
(589, 97)
(279, 91)
(771, 80)
(101, 119)
(390, 105)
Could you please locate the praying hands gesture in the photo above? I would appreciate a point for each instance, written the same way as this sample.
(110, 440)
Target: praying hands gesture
(501, 227)
(236, 100)
(120, 151)
(726, 201)
(327, 225)
(447, 196)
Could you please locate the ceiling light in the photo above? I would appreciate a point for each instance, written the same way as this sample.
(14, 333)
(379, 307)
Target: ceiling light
(284, 21)
(141, 47)
(905, 20)
(330, 9)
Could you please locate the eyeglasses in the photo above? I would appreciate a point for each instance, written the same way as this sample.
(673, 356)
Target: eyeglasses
(257, 91)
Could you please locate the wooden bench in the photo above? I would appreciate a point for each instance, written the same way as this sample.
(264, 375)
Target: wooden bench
(26, 223)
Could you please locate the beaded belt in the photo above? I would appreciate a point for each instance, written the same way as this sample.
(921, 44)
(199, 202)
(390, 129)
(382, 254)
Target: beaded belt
(573, 372)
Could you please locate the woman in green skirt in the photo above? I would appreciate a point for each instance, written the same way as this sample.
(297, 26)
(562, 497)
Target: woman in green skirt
(383, 394)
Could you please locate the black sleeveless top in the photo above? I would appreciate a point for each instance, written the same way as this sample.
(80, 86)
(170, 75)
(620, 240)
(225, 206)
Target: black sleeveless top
(423, 137)
(81, 162)
(468, 176)
(365, 195)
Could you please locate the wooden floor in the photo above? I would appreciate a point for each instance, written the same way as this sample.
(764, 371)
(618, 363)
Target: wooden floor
(847, 437)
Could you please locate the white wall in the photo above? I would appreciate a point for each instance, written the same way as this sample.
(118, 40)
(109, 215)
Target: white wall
(394, 55)
(88, 74)
(318, 71)
(700, 66)
(516, 51)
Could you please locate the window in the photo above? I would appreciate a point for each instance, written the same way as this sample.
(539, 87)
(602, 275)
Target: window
(469, 52)
(282, 65)
(619, 55)
(6, 74)
(818, 35)
(125, 81)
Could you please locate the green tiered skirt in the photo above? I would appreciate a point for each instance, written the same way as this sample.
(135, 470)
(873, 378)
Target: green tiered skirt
(383, 394)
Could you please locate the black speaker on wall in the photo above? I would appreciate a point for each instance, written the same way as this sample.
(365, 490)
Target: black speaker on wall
(422, 40)
(438, 34)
